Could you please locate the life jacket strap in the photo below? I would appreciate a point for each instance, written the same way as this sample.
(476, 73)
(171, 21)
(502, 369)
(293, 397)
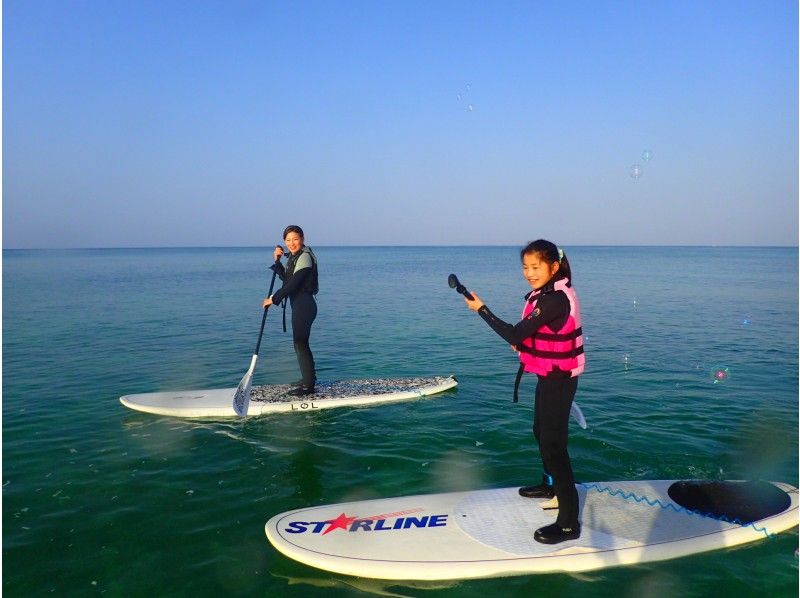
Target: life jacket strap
(520, 371)
(569, 336)
(552, 354)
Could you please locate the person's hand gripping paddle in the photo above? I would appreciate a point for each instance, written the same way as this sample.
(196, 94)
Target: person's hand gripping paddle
(241, 400)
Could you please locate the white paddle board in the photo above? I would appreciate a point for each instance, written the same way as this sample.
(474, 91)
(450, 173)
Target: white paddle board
(489, 533)
(273, 398)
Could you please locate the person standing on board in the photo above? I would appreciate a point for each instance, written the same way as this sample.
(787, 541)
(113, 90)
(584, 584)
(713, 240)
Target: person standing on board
(549, 340)
(300, 284)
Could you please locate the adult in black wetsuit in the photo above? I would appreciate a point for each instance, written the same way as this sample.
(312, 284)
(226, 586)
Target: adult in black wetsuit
(300, 284)
(550, 342)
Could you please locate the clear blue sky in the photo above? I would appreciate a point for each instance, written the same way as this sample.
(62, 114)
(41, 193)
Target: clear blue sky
(192, 123)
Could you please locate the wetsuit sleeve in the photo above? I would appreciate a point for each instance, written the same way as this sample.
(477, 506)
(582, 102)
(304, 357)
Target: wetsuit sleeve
(289, 288)
(552, 308)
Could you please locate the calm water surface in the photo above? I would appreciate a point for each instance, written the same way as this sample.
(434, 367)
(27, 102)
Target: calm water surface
(98, 499)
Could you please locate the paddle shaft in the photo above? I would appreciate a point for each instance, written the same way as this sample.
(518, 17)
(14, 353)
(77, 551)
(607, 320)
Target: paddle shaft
(463, 290)
(266, 309)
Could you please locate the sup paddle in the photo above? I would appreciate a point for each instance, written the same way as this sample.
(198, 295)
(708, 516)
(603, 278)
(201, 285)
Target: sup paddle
(241, 400)
(574, 410)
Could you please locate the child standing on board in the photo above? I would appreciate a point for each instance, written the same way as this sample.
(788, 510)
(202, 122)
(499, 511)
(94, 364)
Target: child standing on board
(549, 341)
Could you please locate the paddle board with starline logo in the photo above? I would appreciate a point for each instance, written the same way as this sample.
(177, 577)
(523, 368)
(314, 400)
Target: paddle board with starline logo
(489, 533)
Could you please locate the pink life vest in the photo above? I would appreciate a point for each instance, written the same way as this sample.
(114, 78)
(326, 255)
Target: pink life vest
(549, 349)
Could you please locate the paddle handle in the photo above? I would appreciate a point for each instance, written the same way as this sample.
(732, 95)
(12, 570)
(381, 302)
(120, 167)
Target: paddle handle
(266, 309)
(454, 283)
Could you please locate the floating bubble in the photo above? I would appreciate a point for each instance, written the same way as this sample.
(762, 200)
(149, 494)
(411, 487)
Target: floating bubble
(720, 375)
(647, 155)
(458, 97)
(470, 108)
(468, 87)
(636, 171)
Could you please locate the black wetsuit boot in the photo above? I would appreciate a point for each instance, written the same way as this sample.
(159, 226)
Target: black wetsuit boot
(554, 533)
(543, 490)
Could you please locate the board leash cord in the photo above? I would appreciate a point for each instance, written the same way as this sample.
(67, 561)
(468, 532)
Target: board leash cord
(657, 503)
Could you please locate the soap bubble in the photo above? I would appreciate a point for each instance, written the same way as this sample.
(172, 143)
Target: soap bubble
(636, 171)
(647, 155)
(720, 375)
(458, 97)
(470, 108)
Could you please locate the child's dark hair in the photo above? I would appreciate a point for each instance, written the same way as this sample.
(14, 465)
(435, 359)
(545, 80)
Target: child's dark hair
(548, 252)
(293, 228)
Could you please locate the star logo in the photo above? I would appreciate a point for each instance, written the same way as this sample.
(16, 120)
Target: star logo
(341, 522)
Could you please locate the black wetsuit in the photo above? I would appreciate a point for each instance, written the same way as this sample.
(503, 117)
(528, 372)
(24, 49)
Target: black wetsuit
(300, 286)
(553, 400)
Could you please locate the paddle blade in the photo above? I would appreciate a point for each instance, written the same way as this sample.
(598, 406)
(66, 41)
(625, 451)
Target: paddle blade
(241, 400)
(577, 414)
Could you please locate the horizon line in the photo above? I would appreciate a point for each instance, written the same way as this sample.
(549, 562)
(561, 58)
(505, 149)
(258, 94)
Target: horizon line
(616, 245)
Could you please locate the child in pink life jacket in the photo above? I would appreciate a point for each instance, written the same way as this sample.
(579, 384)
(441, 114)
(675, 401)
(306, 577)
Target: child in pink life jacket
(549, 341)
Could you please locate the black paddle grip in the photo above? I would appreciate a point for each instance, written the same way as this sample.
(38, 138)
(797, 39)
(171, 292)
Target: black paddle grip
(454, 283)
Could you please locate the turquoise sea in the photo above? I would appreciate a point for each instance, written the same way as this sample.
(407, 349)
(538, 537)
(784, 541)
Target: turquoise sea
(101, 500)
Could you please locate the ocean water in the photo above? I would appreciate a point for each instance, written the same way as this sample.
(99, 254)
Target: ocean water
(98, 499)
